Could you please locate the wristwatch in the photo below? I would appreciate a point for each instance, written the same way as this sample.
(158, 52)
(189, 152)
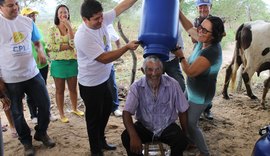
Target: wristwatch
(181, 58)
(175, 49)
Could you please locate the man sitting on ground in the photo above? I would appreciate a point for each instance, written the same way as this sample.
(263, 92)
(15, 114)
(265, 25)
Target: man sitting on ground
(156, 100)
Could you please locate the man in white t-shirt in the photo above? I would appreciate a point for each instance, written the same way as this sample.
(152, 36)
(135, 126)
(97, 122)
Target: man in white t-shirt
(20, 73)
(95, 57)
(114, 36)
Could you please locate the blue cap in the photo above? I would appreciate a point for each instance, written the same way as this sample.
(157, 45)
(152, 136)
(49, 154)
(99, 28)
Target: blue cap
(203, 2)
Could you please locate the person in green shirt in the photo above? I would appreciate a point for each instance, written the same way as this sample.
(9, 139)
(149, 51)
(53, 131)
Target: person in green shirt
(43, 68)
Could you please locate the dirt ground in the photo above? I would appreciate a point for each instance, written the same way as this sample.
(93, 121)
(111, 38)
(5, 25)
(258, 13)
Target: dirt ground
(233, 132)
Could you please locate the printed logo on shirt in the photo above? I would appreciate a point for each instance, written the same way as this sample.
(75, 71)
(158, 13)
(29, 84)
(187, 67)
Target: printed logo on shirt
(20, 47)
(105, 43)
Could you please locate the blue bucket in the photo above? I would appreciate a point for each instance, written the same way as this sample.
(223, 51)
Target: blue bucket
(159, 27)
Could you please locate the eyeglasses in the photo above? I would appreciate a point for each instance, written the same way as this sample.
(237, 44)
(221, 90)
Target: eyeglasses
(204, 30)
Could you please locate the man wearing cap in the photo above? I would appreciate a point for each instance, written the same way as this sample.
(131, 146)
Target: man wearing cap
(203, 8)
(43, 68)
(20, 73)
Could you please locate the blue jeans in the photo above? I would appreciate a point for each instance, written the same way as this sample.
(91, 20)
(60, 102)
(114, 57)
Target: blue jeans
(31, 105)
(172, 68)
(36, 89)
(194, 131)
(113, 89)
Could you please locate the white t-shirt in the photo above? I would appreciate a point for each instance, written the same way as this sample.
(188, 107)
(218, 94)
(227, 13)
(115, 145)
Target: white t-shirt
(90, 44)
(113, 34)
(16, 60)
(180, 43)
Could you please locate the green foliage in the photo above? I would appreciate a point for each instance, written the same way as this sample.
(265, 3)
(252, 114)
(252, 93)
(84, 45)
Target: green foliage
(230, 36)
(239, 11)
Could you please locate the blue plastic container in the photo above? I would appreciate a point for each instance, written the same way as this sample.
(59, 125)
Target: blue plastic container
(262, 146)
(159, 27)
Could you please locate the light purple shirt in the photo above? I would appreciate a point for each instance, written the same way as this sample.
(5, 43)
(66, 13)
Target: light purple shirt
(156, 113)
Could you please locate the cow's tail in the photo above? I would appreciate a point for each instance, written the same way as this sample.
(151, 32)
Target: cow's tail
(236, 55)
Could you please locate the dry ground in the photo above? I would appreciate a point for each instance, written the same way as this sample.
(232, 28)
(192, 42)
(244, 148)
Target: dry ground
(233, 132)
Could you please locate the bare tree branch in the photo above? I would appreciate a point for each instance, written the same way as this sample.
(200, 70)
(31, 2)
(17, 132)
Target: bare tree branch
(134, 57)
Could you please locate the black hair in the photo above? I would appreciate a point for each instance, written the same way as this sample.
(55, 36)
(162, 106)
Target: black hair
(90, 7)
(56, 19)
(218, 30)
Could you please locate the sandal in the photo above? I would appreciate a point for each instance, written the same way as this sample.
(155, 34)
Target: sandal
(77, 112)
(64, 120)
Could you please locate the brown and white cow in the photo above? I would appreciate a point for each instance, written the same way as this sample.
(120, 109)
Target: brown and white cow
(252, 50)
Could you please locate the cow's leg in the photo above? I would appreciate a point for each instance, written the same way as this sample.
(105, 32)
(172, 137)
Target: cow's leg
(227, 81)
(239, 79)
(236, 63)
(246, 77)
(265, 90)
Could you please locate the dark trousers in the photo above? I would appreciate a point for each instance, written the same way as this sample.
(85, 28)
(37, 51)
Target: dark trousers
(36, 89)
(98, 104)
(172, 136)
(31, 105)
(172, 68)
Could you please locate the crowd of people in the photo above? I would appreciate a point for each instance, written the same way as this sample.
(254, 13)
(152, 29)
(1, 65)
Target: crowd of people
(85, 56)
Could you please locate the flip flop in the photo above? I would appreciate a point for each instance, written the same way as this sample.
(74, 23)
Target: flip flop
(77, 112)
(64, 120)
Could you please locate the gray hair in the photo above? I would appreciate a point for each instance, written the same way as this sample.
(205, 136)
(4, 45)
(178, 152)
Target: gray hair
(154, 59)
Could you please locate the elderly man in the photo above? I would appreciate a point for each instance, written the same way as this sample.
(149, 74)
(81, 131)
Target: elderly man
(157, 101)
(20, 73)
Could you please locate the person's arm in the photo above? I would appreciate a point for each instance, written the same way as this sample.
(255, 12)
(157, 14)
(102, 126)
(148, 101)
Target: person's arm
(196, 68)
(188, 26)
(54, 46)
(183, 121)
(40, 52)
(135, 141)
(70, 31)
(41, 57)
(111, 56)
(123, 6)
(67, 24)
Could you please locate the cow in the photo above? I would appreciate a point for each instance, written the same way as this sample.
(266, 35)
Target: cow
(252, 51)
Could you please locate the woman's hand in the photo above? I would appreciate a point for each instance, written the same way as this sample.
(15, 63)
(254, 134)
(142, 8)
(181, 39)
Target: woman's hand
(67, 24)
(178, 53)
